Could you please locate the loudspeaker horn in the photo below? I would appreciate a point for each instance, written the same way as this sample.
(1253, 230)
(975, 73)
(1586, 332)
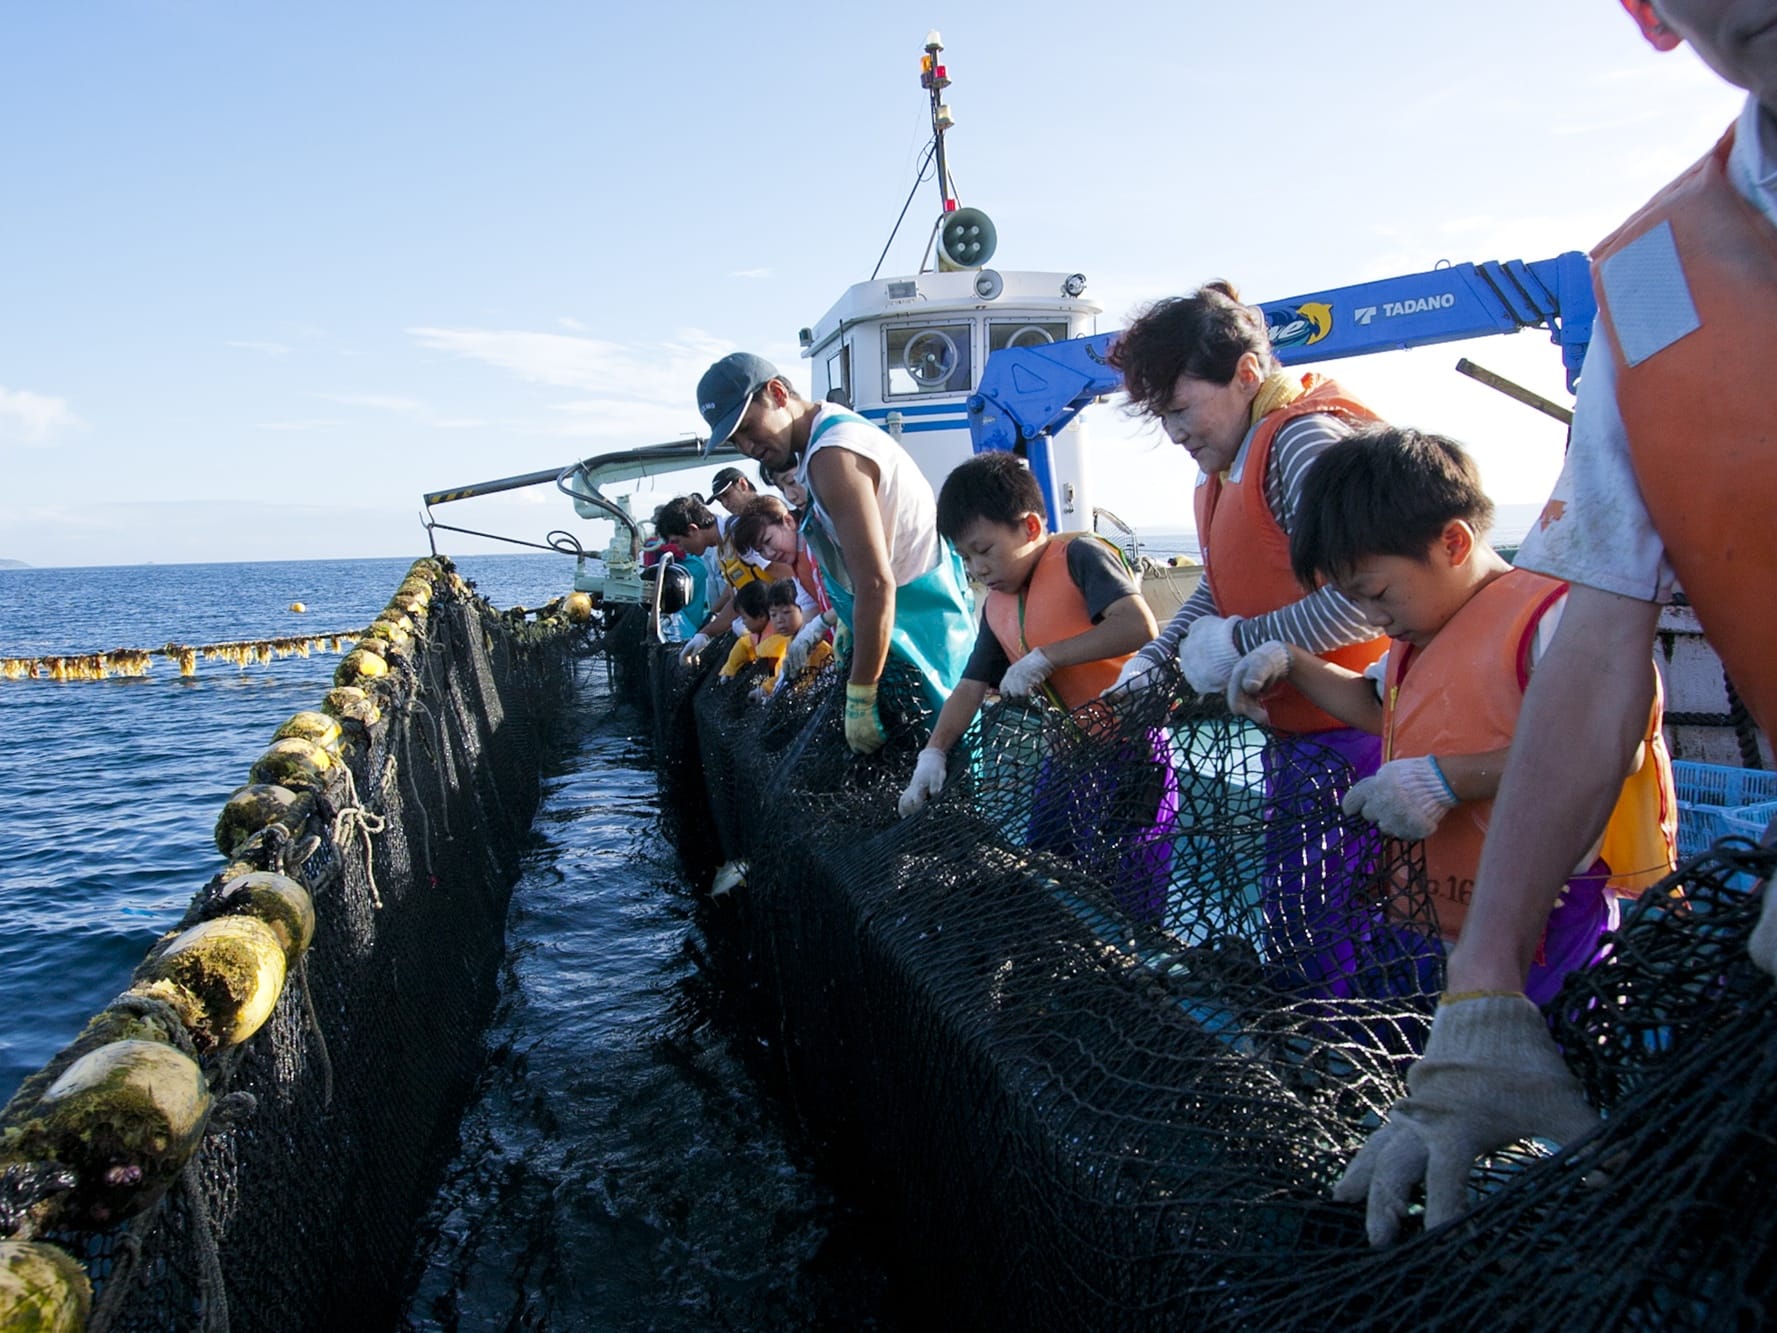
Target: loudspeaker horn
(966, 239)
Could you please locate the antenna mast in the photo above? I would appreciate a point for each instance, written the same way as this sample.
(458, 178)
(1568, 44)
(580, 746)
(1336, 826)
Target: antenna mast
(934, 79)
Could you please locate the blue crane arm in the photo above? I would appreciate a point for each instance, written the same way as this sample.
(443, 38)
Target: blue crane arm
(1029, 392)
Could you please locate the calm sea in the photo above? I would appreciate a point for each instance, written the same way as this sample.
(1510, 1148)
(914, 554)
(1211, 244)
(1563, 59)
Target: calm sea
(109, 790)
(616, 1167)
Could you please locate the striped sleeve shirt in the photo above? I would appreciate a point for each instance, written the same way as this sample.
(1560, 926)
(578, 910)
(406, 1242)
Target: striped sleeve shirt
(1319, 621)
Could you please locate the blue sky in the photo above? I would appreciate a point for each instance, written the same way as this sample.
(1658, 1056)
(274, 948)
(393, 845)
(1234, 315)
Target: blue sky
(271, 272)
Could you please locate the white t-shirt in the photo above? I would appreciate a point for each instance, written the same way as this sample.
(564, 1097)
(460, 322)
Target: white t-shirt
(1595, 529)
(903, 496)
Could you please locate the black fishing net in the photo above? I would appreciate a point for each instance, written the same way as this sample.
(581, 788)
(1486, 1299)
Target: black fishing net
(1099, 1027)
(299, 1208)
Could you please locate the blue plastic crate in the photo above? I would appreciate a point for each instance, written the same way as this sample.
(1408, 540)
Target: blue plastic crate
(1708, 794)
(1750, 821)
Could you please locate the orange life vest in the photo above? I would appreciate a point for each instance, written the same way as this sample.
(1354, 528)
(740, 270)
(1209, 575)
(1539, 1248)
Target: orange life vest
(1049, 609)
(1246, 554)
(1461, 694)
(1692, 388)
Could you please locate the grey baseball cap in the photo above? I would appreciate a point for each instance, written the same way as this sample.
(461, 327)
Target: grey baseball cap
(727, 387)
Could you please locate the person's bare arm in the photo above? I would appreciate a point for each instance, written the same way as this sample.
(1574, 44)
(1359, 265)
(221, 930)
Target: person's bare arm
(1583, 719)
(846, 485)
(1346, 695)
(959, 710)
(722, 618)
(1473, 777)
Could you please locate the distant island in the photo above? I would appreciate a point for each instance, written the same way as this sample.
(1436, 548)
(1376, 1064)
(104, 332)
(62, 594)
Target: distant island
(13, 564)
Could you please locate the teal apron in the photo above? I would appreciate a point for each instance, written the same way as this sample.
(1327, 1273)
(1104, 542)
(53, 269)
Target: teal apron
(934, 623)
(697, 610)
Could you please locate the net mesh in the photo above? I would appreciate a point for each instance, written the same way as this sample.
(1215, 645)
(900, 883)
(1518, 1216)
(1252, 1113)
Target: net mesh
(299, 1208)
(1100, 1026)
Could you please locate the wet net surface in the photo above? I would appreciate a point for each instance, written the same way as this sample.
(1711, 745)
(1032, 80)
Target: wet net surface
(299, 1207)
(1100, 1026)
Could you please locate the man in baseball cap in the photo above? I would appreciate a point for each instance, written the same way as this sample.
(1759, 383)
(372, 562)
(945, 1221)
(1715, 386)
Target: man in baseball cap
(731, 488)
(726, 390)
(892, 580)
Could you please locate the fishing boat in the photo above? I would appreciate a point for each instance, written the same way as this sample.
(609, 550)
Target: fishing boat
(1080, 1106)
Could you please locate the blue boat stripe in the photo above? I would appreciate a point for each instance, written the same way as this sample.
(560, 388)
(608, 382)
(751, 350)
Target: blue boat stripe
(926, 410)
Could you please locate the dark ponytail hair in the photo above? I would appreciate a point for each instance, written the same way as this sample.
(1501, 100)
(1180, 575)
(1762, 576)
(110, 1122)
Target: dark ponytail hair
(1202, 335)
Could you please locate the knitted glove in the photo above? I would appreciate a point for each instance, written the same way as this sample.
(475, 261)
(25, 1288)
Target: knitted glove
(1490, 1075)
(863, 728)
(1137, 674)
(1405, 799)
(1255, 673)
(928, 781)
(796, 654)
(1208, 654)
(694, 648)
(1026, 674)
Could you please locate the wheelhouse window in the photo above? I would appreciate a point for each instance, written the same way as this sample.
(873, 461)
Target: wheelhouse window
(928, 359)
(1003, 333)
(839, 376)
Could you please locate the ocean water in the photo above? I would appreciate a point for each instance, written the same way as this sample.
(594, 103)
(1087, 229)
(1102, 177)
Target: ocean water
(616, 1167)
(109, 790)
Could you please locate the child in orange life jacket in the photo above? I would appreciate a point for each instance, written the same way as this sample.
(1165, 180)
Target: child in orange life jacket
(1062, 616)
(753, 608)
(1396, 520)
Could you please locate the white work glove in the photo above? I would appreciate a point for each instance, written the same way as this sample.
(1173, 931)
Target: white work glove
(694, 647)
(1491, 1075)
(928, 781)
(1255, 673)
(1208, 654)
(758, 694)
(796, 655)
(1762, 943)
(1137, 674)
(1026, 674)
(1405, 799)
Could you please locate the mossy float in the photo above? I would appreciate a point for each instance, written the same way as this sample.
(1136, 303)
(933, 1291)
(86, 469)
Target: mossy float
(389, 633)
(350, 702)
(276, 900)
(294, 764)
(360, 664)
(316, 728)
(579, 608)
(250, 809)
(42, 1289)
(223, 977)
(125, 1118)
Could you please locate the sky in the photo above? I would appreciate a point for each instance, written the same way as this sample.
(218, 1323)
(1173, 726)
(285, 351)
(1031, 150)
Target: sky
(269, 273)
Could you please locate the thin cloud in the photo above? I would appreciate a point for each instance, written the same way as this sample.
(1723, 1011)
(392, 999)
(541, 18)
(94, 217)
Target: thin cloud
(381, 402)
(33, 418)
(311, 423)
(255, 345)
(663, 373)
(569, 322)
(751, 273)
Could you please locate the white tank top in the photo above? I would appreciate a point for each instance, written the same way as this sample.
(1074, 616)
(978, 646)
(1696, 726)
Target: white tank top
(903, 495)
